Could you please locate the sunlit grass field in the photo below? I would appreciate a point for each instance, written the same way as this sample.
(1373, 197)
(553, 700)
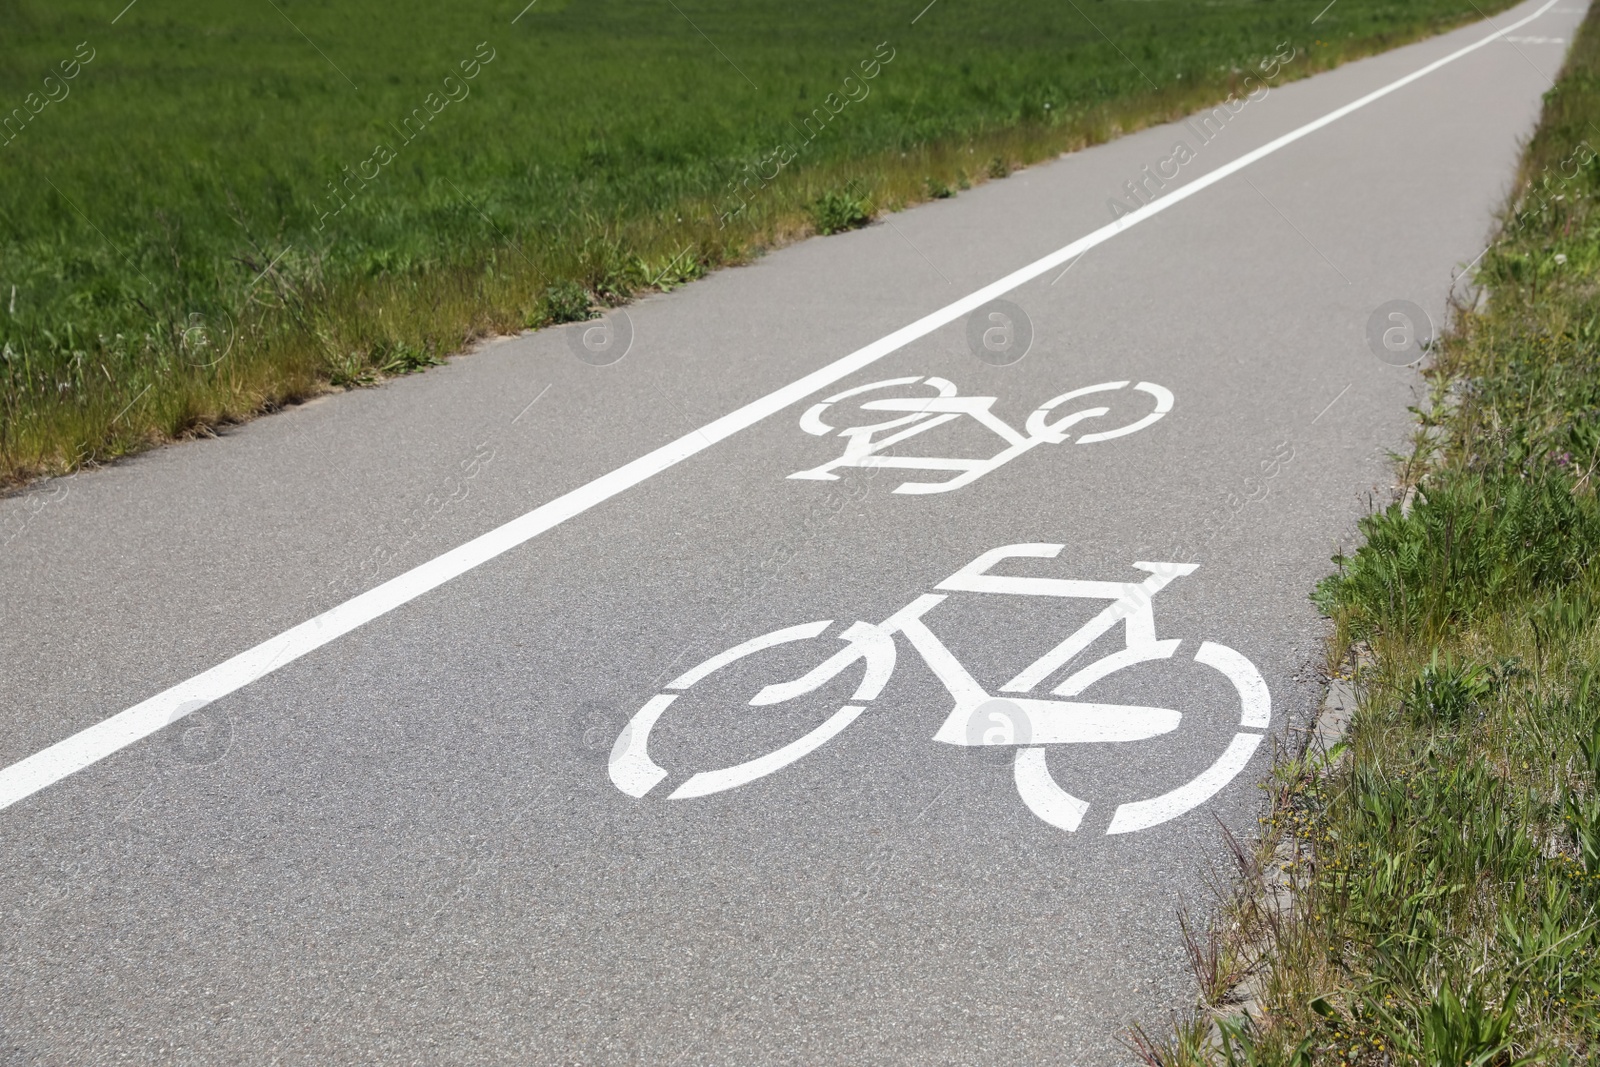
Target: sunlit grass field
(212, 209)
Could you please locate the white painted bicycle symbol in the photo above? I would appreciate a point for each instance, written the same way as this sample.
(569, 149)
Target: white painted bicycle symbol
(1027, 723)
(865, 445)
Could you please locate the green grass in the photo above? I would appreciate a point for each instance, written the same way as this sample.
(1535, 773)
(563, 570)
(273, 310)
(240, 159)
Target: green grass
(225, 211)
(1452, 859)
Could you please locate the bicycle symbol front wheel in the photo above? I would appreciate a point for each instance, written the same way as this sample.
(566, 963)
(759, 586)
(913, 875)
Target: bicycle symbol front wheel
(1053, 804)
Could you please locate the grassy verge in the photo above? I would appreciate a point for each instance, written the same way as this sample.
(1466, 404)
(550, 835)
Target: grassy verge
(1451, 859)
(209, 211)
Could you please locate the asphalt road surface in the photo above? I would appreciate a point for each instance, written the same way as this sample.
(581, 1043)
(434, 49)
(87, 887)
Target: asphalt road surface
(512, 808)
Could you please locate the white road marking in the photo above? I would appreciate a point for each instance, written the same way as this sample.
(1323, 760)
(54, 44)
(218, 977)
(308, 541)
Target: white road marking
(1039, 791)
(1254, 702)
(635, 773)
(1066, 722)
(750, 647)
(1106, 666)
(1163, 405)
(1130, 605)
(864, 448)
(1026, 723)
(707, 782)
(867, 642)
(632, 770)
(1045, 798)
(1143, 814)
(1255, 710)
(87, 747)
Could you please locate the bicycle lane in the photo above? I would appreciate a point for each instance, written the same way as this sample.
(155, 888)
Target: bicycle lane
(425, 842)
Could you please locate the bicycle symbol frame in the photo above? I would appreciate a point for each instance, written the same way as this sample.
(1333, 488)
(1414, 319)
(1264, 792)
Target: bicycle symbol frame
(1042, 721)
(864, 447)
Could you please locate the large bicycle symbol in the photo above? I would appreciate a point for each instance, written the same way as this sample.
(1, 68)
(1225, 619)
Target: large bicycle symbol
(1025, 722)
(864, 447)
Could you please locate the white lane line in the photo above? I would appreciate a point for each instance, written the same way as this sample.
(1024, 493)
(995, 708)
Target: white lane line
(89, 746)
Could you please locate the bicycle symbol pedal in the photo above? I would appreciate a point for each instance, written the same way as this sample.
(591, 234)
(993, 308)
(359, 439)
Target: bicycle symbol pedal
(979, 718)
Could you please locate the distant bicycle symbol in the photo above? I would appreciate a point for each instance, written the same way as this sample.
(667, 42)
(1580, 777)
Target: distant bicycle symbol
(979, 718)
(913, 415)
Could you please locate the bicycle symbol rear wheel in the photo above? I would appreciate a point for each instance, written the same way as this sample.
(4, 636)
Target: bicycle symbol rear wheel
(635, 773)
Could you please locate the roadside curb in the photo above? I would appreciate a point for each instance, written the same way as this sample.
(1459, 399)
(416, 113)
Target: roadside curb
(1270, 892)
